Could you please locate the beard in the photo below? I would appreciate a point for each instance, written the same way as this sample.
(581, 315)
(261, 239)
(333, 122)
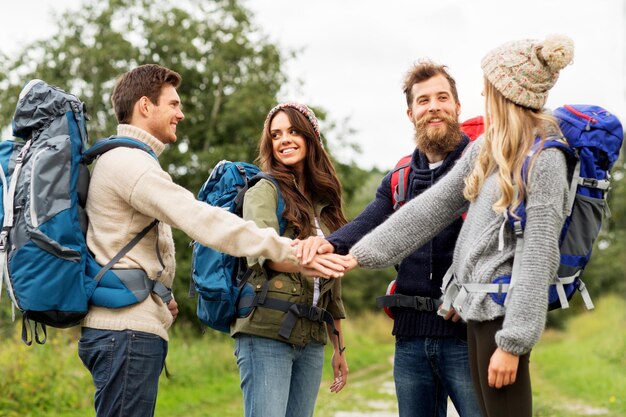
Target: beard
(440, 139)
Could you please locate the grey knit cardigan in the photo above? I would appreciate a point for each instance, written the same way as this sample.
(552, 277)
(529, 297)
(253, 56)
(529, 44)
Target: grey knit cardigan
(477, 256)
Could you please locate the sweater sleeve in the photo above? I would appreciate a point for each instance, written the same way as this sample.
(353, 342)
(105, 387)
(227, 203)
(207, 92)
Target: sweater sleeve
(373, 215)
(155, 194)
(418, 221)
(545, 213)
(259, 205)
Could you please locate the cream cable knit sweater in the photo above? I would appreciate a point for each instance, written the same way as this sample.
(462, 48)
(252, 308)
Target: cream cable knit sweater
(128, 190)
(476, 256)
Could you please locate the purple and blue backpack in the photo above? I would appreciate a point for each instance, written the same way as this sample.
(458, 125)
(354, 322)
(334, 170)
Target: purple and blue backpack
(592, 138)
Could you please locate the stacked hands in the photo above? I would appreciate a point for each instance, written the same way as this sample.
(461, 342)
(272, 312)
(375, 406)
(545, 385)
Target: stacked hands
(317, 258)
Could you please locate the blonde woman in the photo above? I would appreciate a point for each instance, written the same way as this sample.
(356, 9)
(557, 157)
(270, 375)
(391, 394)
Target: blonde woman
(487, 182)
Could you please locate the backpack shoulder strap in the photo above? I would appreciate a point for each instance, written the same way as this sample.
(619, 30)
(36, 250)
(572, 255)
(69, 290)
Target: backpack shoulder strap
(399, 177)
(100, 147)
(518, 222)
(538, 146)
(105, 145)
(573, 163)
(280, 207)
(560, 143)
(126, 249)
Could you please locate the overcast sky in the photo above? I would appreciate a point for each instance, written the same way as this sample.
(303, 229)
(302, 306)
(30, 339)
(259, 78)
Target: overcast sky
(354, 53)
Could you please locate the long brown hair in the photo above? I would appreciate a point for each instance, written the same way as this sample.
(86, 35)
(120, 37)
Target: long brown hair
(321, 179)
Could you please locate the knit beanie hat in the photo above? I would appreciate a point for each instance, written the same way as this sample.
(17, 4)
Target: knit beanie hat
(524, 71)
(307, 112)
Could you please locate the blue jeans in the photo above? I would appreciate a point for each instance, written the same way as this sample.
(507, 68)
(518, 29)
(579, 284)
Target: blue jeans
(278, 379)
(427, 370)
(125, 367)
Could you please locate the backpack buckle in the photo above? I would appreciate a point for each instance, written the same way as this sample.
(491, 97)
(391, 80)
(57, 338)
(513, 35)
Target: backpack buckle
(3, 240)
(424, 303)
(589, 182)
(517, 228)
(315, 314)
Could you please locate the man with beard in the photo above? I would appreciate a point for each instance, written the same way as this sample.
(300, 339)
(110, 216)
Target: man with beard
(430, 361)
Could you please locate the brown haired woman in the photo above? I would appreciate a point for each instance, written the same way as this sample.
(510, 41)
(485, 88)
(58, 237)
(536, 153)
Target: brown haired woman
(280, 353)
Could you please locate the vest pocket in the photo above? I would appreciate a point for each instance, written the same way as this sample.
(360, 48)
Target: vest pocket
(285, 290)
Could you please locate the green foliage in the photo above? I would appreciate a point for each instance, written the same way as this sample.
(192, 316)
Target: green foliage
(231, 73)
(31, 377)
(584, 367)
(581, 371)
(231, 77)
(204, 378)
(50, 380)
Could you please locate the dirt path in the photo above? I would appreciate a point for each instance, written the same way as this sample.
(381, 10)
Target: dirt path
(373, 391)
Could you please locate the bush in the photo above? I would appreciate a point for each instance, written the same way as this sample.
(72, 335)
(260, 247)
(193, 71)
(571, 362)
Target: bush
(42, 380)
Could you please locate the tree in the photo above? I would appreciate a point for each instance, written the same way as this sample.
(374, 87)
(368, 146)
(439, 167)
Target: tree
(231, 76)
(231, 73)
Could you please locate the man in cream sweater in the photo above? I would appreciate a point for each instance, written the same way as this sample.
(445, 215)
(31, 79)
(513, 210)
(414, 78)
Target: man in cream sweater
(125, 348)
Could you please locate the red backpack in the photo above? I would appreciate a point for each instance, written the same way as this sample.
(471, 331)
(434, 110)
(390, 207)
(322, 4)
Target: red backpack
(473, 128)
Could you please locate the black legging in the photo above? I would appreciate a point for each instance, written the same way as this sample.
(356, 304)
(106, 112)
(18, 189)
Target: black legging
(511, 400)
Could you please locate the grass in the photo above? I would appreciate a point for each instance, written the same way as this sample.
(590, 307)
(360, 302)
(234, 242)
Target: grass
(576, 372)
(210, 386)
(40, 381)
(583, 369)
(205, 380)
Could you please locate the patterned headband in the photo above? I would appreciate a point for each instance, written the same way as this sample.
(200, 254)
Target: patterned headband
(308, 113)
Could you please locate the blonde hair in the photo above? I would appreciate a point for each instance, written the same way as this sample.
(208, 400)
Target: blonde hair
(510, 131)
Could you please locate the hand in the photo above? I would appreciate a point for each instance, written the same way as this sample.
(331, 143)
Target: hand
(502, 368)
(173, 307)
(340, 371)
(452, 314)
(327, 265)
(350, 262)
(336, 264)
(308, 248)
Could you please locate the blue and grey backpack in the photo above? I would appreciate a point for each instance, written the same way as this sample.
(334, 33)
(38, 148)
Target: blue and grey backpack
(49, 273)
(220, 279)
(592, 141)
